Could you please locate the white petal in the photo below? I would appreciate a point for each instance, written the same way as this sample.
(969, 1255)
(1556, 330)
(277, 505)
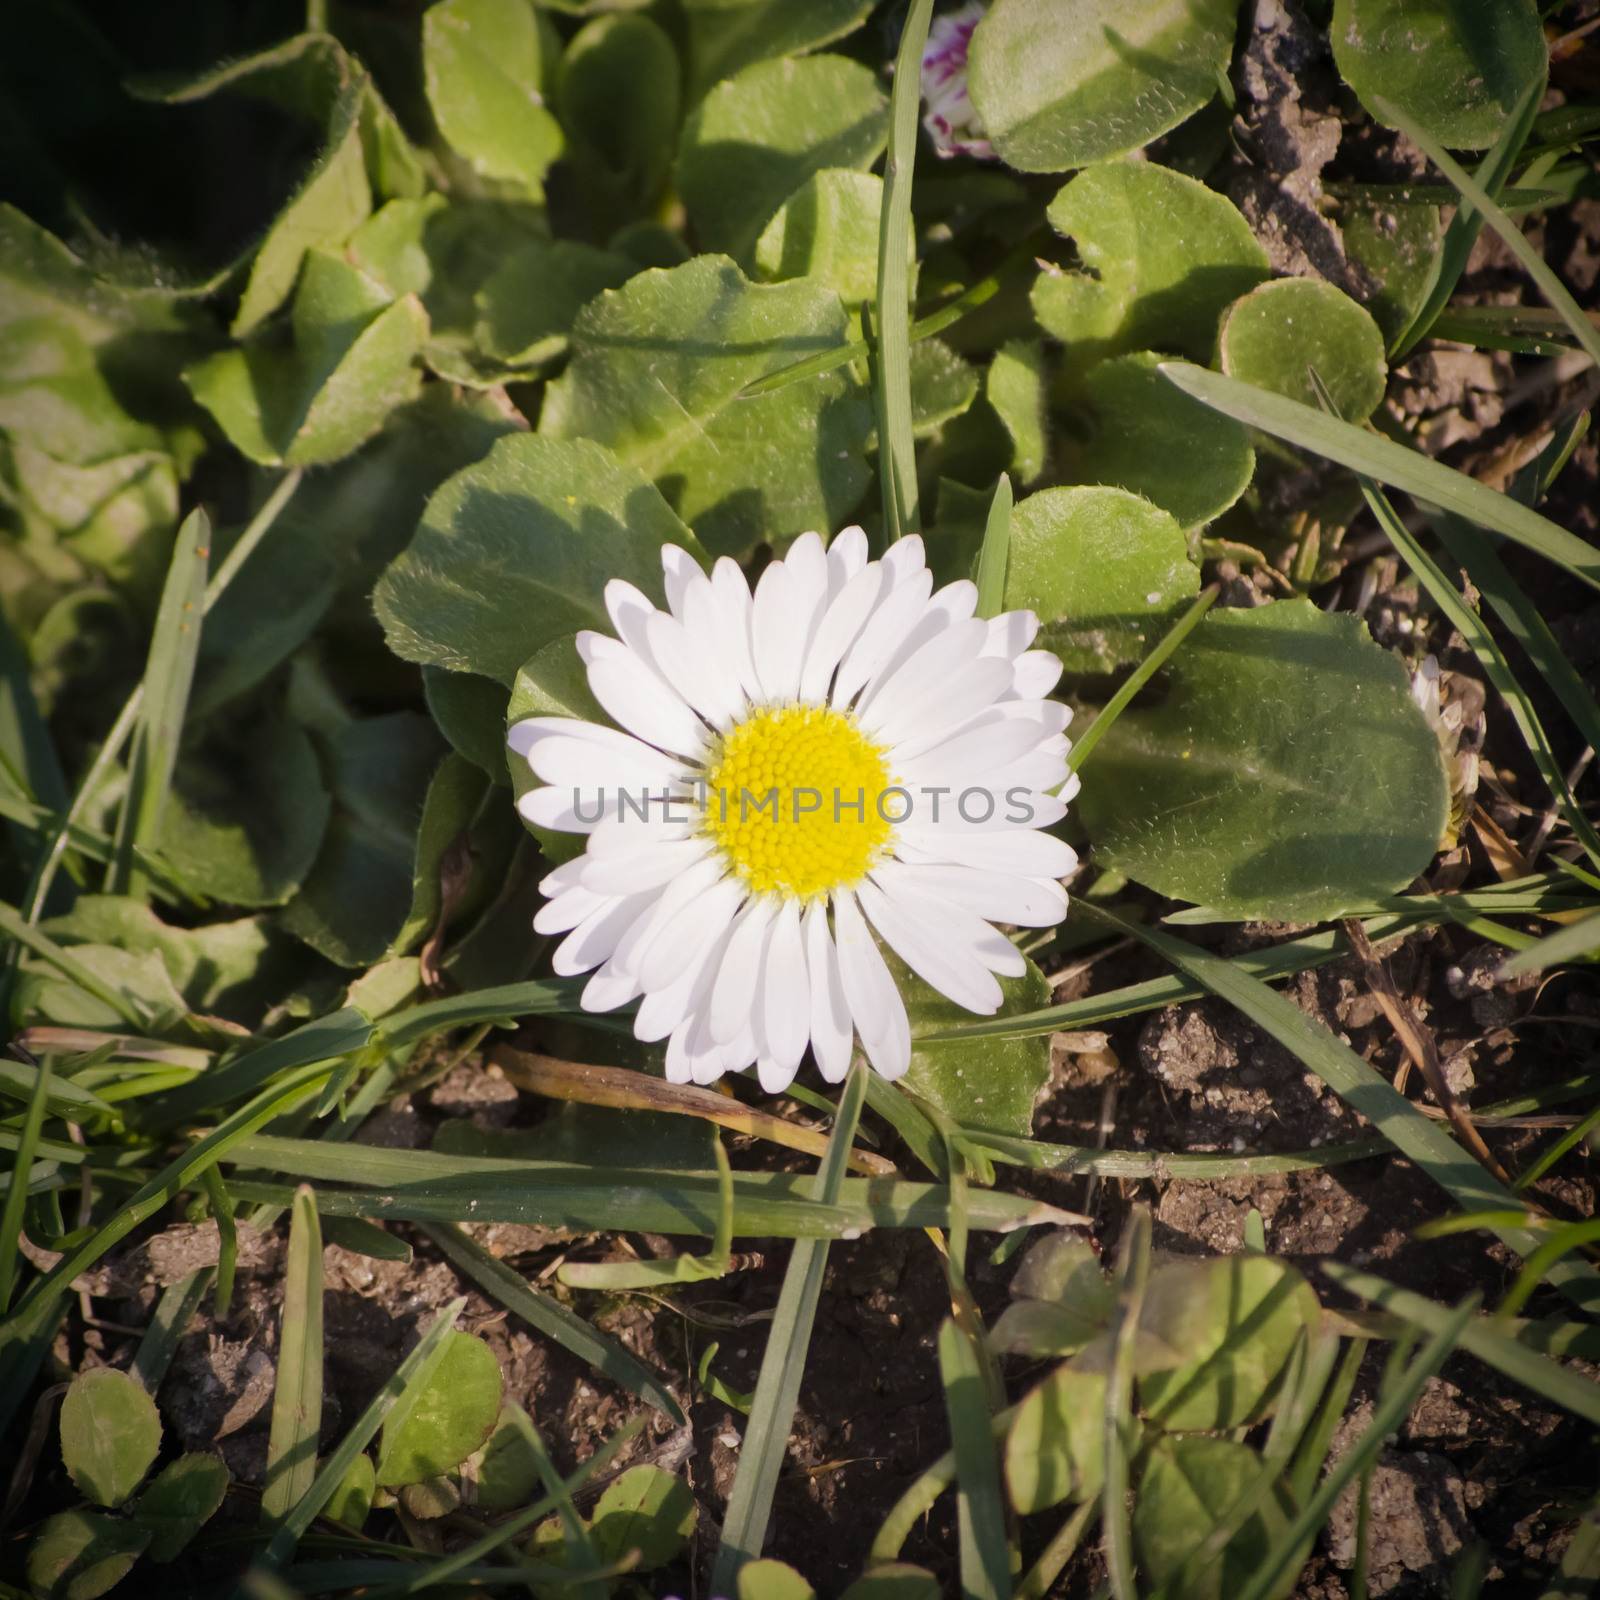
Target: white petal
(594, 939)
(924, 700)
(566, 810)
(915, 930)
(563, 912)
(984, 749)
(904, 558)
(783, 1017)
(841, 622)
(727, 656)
(775, 1076)
(1018, 812)
(994, 896)
(733, 995)
(636, 697)
(1010, 634)
(585, 763)
(788, 597)
(609, 988)
(883, 632)
(732, 596)
(653, 865)
(1022, 851)
(1036, 673)
(629, 608)
(685, 663)
(956, 602)
(831, 1035)
(847, 555)
(679, 571)
(875, 1004)
(677, 944)
(663, 1009)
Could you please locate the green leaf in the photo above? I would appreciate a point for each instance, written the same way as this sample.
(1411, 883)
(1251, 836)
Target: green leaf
(481, 66)
(894, 1580)
(471, 713)
(1055, 1446)
(1395, 464)
(619, 98)
(1187, 1488)
(527, 306)
(1162, 257)
(506, 1469)
(351, 1499)
(1458, 68)
(1237, 1321)
(516, 551)
(827, 230)
(645, 1510)
(656, 376)
(980, 1512)
(246, 814)
(1276, 335)
(942, 386)
(1059, 88)
(757, 136)
(357, 897)
(773, 1580)
(455, 792)
(297, 1391)
(1102, 568)
(353, 363)
(985, 1083)
(1061, 1300)
(79, 1555)
(1017, 387)
(179, 1503)
(1136, 414)
(1394, 250)
(1288, 773)
(110, 1434)
(436, 1428)
(725, 37)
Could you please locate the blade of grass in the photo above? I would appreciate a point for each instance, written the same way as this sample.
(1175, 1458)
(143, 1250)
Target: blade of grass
(1480, 1336)
(49, 862)
(168, 1323)
(1570, 1140)
(227, 1239)
(413, 1373)
(1121, 1429)
(1576, 940)
(1494, 171)
(980, 1510)
(1415, 1136)
(1038, 1584)
(297, 1394)
(1554, 293)
(168, 674)
(15, 927)
(1491, 658)
(897, 456)
(1387, 1416)
(1383, 459)
(1139, 677)
(17, 1189)
(995, 555)
(554, 1320)
(766, 1437)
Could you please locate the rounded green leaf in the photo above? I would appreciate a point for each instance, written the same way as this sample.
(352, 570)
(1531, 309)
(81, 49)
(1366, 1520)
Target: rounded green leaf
(1277, 334)
(1287, 773)
(827, 230)
(647, 1510)
(79, 1555)
(1061, 86)
(978, 1083)
(1162, 257)
(506, 1469)
(110, 1433)
(657, 375)
(1457, 66)
(351, 1499)
(760, 134)
(1188, 1487)
(942, 386)
(1392, 251)
(526, 308)
(725, 37)
(481, 66)
(434, 1429)
(1055, 1447)
(1102, 568)
(1017, 388)
(1237, 1321)
(619, 99)
(1135, 415)
(772, 1580)
(181, 1500)
(895, 1580)
(471, 713)
(517, 550)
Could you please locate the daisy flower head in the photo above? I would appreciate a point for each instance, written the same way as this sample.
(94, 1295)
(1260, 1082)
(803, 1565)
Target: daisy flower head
(843, 756)
(951, 119)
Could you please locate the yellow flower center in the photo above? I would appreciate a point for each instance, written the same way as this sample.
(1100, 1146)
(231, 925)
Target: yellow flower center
(794, 799)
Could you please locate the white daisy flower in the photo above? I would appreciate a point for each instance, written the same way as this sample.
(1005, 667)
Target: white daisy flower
(842, 754)
(951, 119)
